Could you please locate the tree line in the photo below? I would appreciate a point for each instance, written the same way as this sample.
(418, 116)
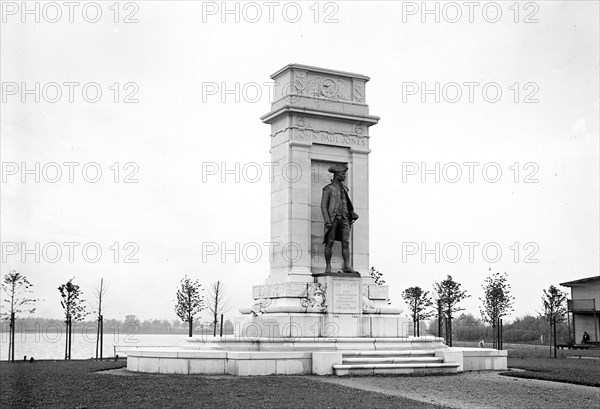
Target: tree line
(496, 303)
(528, 329)
(129, 324)
(191, 301)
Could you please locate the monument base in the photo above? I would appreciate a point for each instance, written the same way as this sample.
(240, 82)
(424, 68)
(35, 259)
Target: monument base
(320, 325)
(330, 356)
(330, 326)
(333, 305)
(331, 293)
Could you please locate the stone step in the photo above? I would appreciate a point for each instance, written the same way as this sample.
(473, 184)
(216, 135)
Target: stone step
(393, 360)
(394, 369)
(390, 353)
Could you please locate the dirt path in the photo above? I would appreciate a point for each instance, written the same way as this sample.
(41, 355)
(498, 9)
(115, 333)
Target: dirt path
(478, 390)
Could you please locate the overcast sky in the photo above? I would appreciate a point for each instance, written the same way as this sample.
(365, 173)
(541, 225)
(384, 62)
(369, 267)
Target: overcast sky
(172, 66)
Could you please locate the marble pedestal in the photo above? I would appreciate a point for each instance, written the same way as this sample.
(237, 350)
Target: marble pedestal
(333, 305)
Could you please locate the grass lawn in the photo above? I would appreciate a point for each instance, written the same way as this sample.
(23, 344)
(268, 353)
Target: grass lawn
(577, 371)
(76, 384)
(571, 366)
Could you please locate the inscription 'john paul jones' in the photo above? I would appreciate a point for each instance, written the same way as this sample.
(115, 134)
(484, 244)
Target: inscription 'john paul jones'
(328, 138)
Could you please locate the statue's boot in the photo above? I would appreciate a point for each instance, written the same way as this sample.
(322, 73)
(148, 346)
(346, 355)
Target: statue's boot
(350, 270)
(327, 269)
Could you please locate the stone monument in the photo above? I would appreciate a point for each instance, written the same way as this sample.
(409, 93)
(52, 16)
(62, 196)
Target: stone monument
(304, 319)
(319, 119)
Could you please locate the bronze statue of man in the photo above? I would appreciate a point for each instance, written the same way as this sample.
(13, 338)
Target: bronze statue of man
(338, 215)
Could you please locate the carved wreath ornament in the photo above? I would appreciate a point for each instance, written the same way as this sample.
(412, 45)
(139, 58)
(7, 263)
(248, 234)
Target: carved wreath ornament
(330, 88)
(260, 306)
(321, 88)
(315, 296)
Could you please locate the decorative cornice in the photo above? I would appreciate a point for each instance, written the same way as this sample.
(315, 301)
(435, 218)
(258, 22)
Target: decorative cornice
(295, 97)
(288, 109)
(320, 70)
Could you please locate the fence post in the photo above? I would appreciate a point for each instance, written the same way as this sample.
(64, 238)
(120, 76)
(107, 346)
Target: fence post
(70, 335)
(439, 318)
(595, 320)
(97, 336)
(66, 337)
(497, 334)
(501, 335)
(101, 335)
(12, 336)
(554, 337)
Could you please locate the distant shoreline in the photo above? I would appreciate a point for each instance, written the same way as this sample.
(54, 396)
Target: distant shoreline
(108, 332)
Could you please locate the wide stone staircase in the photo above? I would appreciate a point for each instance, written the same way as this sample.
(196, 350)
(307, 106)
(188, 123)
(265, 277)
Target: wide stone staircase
(393, 363)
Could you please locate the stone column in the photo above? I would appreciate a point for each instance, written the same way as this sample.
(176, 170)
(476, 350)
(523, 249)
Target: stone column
(360, 199)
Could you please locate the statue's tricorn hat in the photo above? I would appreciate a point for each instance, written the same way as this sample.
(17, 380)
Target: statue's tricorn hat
(338, 168)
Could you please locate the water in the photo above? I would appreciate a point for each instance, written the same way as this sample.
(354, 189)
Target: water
(83, 346)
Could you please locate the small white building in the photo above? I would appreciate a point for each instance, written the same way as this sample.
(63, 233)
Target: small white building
(584, 306)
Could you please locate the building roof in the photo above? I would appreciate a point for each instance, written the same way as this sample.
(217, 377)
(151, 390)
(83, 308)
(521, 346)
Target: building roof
(580, 281)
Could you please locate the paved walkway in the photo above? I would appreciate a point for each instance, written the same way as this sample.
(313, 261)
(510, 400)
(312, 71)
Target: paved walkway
(478, 390)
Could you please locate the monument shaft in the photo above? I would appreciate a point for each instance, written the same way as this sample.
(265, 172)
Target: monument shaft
(319, 121)
(318, 118)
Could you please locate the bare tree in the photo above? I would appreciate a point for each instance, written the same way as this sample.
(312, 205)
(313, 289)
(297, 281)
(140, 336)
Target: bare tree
(419, 302)
(16, 290)
(449, 295)
(99, 294)
(74, 308)
(190, 301)
(497, 302)
(217, 303)
(555, 310)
